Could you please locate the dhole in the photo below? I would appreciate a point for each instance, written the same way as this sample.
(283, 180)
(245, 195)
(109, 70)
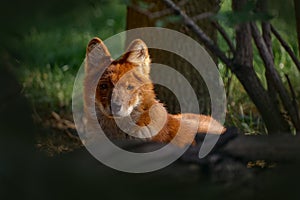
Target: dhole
(125, 101)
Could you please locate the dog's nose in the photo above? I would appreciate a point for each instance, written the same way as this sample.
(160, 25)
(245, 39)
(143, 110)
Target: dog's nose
(115, 107)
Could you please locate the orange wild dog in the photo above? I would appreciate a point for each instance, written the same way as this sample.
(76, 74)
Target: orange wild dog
(125, 95)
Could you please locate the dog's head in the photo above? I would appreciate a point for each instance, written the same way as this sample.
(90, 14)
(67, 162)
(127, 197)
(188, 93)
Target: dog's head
(124, 83)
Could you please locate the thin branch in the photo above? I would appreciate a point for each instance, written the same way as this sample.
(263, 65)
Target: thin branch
(269, 64)
(267, 36)
(228, 84)
(286, 47)
(266, 29)
(203, 16)
(297, 14)
(293, 96)
(160, 14)
(224, 35)
(218, 27)
(201, 35)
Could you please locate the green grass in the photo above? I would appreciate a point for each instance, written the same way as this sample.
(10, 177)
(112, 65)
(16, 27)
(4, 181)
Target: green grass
(49, 87)
(53, 48)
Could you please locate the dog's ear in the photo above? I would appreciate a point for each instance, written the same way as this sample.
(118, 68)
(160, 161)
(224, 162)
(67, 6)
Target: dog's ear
(137, 53)
(97, 54)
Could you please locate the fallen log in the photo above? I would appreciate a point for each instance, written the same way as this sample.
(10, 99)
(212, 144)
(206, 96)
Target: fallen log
(280, 148)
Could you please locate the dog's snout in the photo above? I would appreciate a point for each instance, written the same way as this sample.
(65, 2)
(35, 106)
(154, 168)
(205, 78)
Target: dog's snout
(115, 107)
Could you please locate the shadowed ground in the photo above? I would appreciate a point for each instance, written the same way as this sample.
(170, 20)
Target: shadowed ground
(28, 174)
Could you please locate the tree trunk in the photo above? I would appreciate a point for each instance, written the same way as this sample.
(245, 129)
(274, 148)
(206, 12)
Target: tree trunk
(269, 64)
(247, 76)
(266, 29)
(192, 8)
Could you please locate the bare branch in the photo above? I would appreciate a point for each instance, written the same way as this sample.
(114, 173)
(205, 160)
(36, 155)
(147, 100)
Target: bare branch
(160, 14)
(293, 96)
(269, 63)
(286, 47)
(201, 35)
(203, 16)
(266, 29)
(297, 14)
(267, 36)
(224, 35)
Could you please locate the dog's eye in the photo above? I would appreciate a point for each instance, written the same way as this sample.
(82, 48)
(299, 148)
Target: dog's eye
(130, 87)
(103, 86)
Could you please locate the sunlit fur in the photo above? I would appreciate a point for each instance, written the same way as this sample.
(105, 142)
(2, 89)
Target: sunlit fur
(125, 86)
(126, 83)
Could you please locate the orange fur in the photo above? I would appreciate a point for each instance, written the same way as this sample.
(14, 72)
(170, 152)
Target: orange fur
(125, 91)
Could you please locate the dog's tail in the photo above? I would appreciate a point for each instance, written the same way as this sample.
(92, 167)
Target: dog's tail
(206, 124)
